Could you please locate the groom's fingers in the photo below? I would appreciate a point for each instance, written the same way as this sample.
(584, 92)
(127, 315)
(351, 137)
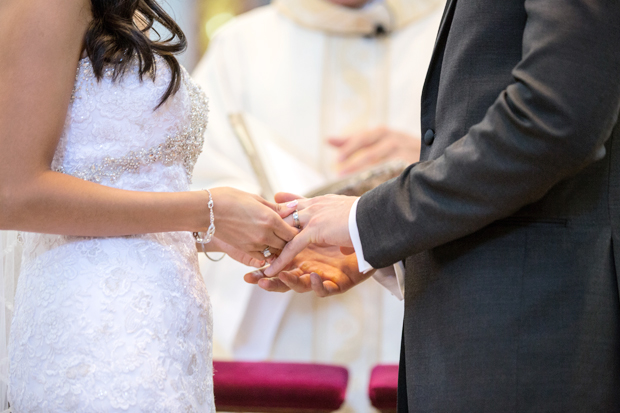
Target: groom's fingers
(294, 247)
(285, 197)
(296, 280)
(347, 250)
(254, 276)
(303, 218)
(273, 285)
(251, 259)
(323, 288)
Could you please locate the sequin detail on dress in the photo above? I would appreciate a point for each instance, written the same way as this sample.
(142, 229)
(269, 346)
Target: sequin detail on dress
(184, 146)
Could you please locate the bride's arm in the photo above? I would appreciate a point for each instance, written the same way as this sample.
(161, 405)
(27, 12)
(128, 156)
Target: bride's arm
(41, 41)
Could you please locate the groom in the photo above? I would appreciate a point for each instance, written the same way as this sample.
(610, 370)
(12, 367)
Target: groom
(509, 225)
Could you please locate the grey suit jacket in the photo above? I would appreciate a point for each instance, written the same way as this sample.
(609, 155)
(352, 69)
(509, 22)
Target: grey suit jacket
(510, 222)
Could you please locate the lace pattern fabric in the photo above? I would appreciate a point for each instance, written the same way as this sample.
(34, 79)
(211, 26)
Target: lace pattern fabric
(118, 323)
(181, 139)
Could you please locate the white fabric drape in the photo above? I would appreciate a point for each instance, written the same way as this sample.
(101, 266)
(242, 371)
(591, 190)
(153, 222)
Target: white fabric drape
(10, 260)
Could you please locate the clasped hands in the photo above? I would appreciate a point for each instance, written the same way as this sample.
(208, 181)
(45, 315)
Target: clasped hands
(318, 256)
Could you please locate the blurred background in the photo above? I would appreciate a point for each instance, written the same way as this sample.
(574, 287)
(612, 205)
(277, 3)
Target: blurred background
(200, 19)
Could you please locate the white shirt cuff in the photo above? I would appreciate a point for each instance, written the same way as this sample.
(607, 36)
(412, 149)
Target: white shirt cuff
(354, 233)
(392, 278)
(389, 279)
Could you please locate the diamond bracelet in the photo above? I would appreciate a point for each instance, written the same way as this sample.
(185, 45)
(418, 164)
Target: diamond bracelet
(203, 238)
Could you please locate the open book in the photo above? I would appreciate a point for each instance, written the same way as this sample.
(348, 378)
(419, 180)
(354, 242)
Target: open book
(279, 171)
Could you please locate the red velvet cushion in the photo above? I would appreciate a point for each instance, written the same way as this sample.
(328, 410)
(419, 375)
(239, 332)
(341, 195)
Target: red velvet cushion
(383, 385)
(279, 385)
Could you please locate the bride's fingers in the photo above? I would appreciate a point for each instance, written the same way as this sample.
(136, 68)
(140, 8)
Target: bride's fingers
(246, 259)
(285, 205)
(284, 231)
(249, 259)
(274, 242)
(287, 208)
(252, 262)
(260, 255)
(256, 255)
(284, 209)
(294, 247)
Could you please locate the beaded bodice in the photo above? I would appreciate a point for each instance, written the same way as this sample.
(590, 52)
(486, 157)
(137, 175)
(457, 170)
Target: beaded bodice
(115, 135)
(113, 130)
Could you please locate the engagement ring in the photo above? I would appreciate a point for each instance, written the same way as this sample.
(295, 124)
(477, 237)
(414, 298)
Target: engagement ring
(266, 253)
(296, 219)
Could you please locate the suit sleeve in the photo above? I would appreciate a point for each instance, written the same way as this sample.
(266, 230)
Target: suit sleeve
(552, 121)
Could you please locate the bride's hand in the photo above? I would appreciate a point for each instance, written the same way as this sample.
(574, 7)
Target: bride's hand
(217, 245)
(250, 224)
(324, 221)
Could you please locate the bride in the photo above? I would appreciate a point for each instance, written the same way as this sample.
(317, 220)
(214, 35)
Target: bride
(99, 131)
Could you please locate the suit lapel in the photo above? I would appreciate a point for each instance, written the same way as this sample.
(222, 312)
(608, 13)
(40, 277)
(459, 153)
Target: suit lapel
(431, 84)
(447, 11)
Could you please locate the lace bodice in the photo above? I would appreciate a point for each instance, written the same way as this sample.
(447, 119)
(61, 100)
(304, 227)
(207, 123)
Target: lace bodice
(113, 128)
(117, 323)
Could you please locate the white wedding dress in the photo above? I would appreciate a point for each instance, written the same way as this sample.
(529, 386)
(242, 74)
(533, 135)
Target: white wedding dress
(120, 323)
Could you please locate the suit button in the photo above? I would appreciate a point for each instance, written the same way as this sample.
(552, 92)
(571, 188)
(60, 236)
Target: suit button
(429, 137)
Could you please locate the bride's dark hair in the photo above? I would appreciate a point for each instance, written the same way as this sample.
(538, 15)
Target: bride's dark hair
(118, 34)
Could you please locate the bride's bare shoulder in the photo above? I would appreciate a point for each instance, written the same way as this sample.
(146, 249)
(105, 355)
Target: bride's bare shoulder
(35, 24)
(41, 44)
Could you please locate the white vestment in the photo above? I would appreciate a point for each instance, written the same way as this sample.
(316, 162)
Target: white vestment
(305, 84)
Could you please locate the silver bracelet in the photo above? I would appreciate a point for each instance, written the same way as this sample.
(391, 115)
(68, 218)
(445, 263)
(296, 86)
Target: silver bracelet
(202, 237)
(202, 247)
(205, 238)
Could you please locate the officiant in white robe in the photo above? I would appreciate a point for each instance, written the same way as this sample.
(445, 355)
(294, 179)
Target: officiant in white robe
(303, 72)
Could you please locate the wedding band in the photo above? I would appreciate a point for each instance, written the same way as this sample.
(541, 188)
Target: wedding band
(296, 219)
(266, 253)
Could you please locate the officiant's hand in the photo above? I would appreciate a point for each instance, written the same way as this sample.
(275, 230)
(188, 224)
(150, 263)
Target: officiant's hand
(372, 147)
(249, 223)
(324, 270)
(323, 220)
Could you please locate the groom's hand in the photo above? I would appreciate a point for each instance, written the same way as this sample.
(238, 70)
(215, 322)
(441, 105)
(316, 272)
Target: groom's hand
(324, 270)
(323, 221)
